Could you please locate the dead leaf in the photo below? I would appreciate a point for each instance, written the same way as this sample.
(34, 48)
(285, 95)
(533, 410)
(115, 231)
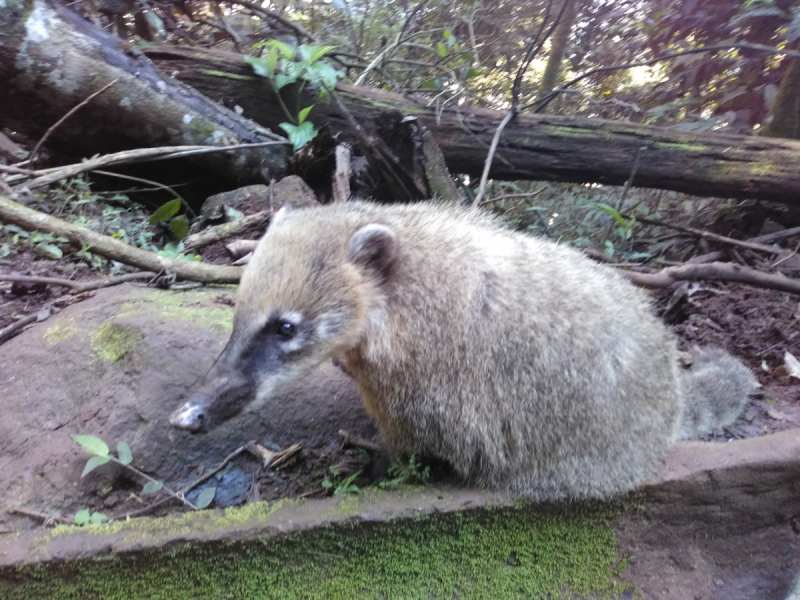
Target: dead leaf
(776, 414)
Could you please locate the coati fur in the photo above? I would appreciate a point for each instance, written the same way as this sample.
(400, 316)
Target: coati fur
(525, 365)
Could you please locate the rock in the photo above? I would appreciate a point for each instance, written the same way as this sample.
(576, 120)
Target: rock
(115, 366)
(255, 198)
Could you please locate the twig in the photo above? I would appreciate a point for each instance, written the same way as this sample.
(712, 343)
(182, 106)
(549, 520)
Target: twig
(487, 165)
(32, 220)
(351, 440)
(340, 186)
(298, 29)
(38, 316)
(77, 287)
(76, 108)
(715, 271)
(708, 235)
(162, 186)
(508, 196)
(226, 230)
(46, 519)
(189, 487)
(48, 176)
(398, 41)
(769, 238)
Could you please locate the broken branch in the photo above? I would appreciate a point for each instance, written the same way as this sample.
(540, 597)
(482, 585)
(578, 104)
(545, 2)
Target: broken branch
(32, 220)
(715, 271)
(226, 230)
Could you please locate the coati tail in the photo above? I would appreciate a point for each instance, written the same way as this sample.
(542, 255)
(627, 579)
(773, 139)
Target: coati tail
(715, 391)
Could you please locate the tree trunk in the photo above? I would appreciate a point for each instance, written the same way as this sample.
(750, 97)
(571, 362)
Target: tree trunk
(785, 110)
(558, 47)
(51, 60)
(533, 147)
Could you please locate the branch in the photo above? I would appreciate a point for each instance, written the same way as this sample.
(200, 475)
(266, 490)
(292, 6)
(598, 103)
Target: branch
(76, 108)
(29, 219)
(48, 176)
(710, 236)
(487, 165)
(715, 271)
(226, 230)
(78, 287)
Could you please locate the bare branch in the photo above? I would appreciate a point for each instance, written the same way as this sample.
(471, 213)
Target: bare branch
(12, 212)
(715, 271)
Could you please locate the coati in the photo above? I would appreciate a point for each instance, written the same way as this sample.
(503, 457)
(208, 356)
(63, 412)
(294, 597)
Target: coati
(524, 364)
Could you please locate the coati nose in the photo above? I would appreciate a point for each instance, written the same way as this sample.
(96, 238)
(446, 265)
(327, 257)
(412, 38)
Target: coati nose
(189, 416)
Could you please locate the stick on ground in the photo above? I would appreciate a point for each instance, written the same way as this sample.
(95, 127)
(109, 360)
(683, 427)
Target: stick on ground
(32, 220)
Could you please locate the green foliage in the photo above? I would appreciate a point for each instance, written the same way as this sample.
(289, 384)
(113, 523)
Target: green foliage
(178, 225)
(284, 66)
(206, 497)
(339, 485)
(86, 517)
(401, 472)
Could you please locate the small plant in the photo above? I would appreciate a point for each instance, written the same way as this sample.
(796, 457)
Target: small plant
(340, 486)
(86, 517)
(296, 64)
(401, 472)
(102, 455)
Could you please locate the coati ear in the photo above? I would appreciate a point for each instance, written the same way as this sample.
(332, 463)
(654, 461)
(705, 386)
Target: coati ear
(282, 213)
(375, 248)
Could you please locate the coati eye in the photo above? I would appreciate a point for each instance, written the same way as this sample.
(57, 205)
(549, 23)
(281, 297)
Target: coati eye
(286, 330)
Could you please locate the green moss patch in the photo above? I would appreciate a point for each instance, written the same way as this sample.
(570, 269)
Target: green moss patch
(182, 306)
(61, 331)
(112, 342)
(503, 553)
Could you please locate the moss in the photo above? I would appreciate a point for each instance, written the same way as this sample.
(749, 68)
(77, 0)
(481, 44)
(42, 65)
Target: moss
(112, 342)
(529, 552)
(62, 331)
(183, 306)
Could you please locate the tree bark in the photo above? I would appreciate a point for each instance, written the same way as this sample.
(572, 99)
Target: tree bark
(51, 60)
(533, 147)
(558, 47)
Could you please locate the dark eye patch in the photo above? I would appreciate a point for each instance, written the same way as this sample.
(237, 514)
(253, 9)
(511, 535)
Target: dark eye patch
(281, 328)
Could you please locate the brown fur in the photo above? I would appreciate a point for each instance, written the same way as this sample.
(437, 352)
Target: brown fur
(524, 364)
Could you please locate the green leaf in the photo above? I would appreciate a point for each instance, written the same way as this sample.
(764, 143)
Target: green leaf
(281, 80)
(327, 483)
(124, 453)
(614, 213)
(317, 52)
(301, 117)
(286, 49)
(447, 34)
(299, 135)
(165, 211)
(93, 463)
(272, 60)
(261, 67)
(92, 444)
(179, 226)
(431, 84)
(441, 49)
(206, 497)
(82, 517)
(50, 251)
(97, 518)
(151, 487)
(327, 75)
